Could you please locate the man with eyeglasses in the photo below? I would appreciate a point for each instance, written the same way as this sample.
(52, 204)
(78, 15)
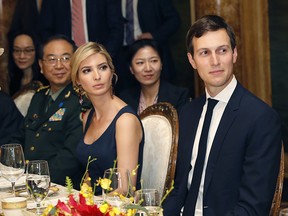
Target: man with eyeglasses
(53, 123)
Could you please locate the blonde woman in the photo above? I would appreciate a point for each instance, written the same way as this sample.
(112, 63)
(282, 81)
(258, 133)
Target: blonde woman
(111, 128)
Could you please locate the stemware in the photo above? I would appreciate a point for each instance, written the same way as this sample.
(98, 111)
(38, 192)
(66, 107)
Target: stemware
(38, 181)
(150, 199)
(12, 163)
(117, 182)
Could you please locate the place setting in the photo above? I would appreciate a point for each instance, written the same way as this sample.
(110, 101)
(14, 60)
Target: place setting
(20, 190)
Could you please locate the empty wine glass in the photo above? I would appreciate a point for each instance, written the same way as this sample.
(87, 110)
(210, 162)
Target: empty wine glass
(38, 181)
(12, 163)
(150, 199)
(116, 185)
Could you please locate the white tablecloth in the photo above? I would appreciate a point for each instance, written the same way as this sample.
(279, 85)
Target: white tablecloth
(53, 198)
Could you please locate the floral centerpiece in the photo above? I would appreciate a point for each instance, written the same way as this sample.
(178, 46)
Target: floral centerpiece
(84, 204)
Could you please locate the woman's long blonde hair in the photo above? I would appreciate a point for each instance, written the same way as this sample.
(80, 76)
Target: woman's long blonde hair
(83, 52)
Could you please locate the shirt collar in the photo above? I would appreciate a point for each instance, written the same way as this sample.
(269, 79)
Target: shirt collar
(226, 93)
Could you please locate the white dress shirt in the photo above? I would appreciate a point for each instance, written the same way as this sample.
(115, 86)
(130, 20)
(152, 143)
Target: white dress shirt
(137, 29)
(223, 98)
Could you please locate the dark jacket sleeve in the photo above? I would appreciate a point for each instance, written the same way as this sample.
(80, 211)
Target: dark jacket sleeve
(10, 118)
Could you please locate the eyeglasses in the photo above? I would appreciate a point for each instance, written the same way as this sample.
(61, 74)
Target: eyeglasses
(52, 61)
(26, 51)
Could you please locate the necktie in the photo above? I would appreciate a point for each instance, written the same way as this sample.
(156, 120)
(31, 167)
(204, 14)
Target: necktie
(49, 102)
(191, 199)
(129, 26)
(77, 22)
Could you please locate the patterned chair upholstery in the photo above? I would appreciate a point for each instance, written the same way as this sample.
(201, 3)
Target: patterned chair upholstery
(160, 122)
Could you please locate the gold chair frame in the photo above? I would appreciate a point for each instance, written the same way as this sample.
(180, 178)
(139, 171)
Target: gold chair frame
(276, 203)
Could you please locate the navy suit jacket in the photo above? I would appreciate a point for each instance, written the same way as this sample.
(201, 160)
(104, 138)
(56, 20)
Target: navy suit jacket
(104, 21)
(25, 17)
(159, 17)
(10, 118)
(244, 160)
(175, 95)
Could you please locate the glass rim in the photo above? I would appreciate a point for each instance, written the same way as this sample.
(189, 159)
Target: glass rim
(10, 145)
(146, 190)
(115, 169)
(37, 161)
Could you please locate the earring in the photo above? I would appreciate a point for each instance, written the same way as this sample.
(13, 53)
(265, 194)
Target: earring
(115, 81)
(80, 92)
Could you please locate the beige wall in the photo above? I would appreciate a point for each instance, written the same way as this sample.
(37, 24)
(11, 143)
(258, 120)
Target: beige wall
(5, 19)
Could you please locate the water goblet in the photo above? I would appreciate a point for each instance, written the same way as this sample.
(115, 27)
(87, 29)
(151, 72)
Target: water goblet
(12, 163)
(116, 186)
(38, 181)
(150, 199)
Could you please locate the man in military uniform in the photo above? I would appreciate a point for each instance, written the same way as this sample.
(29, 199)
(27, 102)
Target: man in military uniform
(53, 126)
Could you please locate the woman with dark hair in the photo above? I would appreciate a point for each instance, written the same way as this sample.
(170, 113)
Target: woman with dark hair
(23, 62)
(24, 71)
(145, 62)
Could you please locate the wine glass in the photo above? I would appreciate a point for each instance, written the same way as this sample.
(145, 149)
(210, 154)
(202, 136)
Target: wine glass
(12, 163)
(150, 199)
(38, 181)
(116, 182)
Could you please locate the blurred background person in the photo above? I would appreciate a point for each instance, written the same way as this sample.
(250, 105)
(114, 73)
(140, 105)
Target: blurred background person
(10, 117)
(146, 66)
(23, 64)
(23, 69)
(112, 130)
(83, 21)
(147, 19)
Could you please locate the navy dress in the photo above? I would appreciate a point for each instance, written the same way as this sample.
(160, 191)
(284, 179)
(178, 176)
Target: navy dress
(104, 149)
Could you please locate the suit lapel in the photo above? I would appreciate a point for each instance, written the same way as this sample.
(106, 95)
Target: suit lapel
(188, 136)
(228, 117)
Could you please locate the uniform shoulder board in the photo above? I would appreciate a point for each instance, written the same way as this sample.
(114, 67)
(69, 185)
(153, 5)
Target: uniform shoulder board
(42, 87)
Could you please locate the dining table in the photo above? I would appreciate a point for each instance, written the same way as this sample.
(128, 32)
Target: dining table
(56, 192)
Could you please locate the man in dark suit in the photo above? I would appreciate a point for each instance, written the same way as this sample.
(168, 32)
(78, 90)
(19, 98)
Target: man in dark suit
(53, 127)
(25, 17)
(10, 117)
(104, 22)
(153, 19)
(242, 157)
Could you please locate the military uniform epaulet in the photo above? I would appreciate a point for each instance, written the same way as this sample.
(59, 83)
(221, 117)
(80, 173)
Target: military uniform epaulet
(42, 87)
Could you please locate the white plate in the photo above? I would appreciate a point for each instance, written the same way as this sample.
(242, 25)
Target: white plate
(6, 184)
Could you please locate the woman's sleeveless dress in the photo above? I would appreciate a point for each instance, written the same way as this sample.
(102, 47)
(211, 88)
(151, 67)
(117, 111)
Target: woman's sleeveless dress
(104, 149)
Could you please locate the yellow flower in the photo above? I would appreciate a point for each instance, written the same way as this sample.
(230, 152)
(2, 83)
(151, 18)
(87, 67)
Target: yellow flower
(131, 212)
(104, 208)
(87, 193)
(47, 209)
(105, 183)
(115, 211)
(134, 171)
